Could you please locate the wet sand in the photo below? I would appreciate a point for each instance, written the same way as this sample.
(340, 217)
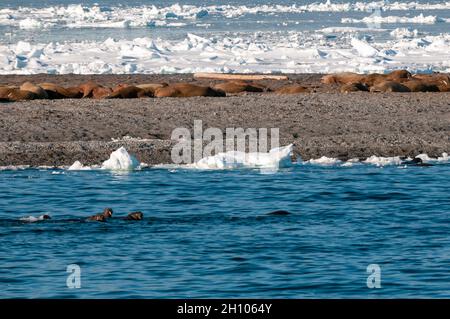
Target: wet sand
(324, 123)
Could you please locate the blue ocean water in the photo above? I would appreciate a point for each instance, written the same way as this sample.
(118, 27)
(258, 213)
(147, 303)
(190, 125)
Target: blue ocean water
(207, 233)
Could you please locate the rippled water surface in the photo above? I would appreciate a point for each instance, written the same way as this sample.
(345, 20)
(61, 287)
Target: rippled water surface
(207, 233)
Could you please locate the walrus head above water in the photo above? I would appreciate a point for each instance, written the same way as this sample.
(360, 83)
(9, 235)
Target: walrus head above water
(107, 212)
(135, 216)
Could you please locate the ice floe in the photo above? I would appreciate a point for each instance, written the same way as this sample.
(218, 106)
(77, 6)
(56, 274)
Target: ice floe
(248, 53)
(276, 158)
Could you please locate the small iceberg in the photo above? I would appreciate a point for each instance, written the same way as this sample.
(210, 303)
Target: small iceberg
(121, 160)
(276, 158)
(77, 166)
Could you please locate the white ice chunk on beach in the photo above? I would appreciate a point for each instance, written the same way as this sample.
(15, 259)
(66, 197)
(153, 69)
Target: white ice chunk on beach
(276, 158)
(383, 161)
(121, 160)
(364, 49)
(77, 166)
(324, 161)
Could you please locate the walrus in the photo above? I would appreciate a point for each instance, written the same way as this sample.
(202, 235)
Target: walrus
(420, 86)
(234, 87)
(353, 87)
(416, 162)
(150, 88)
(389, 86)
(13, 94)
(107, 213)
(398, 75)
(58, 92)
(187, 90)
(135, 216)
(39, 92)
(279, 213)
(91, 89)
(441, 80)
(127, 92)
(292, 89)
(342, 78)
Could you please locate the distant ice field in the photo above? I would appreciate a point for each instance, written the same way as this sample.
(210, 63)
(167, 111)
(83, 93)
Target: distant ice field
(223, 36)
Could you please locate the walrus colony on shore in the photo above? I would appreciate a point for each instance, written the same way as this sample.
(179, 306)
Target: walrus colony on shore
(395, 81)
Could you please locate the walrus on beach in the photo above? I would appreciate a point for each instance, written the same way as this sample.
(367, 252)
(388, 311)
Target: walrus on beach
(58, 92)
(135, 216)
(13, 94)
(127, 92)
(93, 90)
(150, 88)
(398, 75)
(353, 87)
(234, 87)
(389, 86)
(39, 92)
(107, 213)
(420, 86)
(292, 89)
(187, 90)
(342, 78)
(441, 80)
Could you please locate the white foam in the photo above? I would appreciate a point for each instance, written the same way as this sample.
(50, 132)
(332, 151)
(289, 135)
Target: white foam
(276, 158)
(324, 161)
(33, 219)
(121, 160)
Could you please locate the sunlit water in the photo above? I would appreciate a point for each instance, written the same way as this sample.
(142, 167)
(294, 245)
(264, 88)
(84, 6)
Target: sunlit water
(207, 233)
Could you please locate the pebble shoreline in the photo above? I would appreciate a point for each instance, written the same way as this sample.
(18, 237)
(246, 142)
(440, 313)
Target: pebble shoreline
(324, 123)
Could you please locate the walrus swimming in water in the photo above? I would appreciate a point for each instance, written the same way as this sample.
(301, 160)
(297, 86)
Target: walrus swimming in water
(389, 86)
(135, 216)
(39, 92)
(417, 161)
(234, 87)
(107, 213)
(187, 90)
(292, 89)
(279, 213)
(353, 87)
(58, 92)
(91, 89)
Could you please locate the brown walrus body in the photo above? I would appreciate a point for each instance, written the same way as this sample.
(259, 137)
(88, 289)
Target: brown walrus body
(421, 86)
(187, 90)
(292, 89)
(58, 92)
(13, 94)
(127, 92)
(150, 88)
(342, 78)
(353, 87)
(389, 86)
(93, 90)
(135, 216)
(39, 92)
(107, 213)
(234, 87)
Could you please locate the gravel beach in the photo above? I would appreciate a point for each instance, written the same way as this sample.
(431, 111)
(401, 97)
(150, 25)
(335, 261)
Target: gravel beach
(323, 123)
